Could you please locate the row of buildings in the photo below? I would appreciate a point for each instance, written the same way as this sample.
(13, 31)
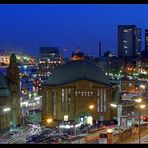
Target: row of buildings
(129, 40)
(68, 88)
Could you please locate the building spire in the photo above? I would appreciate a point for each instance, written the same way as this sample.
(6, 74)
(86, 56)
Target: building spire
(13, 70)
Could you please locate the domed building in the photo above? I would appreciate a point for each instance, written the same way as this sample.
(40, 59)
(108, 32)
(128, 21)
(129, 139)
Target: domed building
(9, 96)
(77, 90)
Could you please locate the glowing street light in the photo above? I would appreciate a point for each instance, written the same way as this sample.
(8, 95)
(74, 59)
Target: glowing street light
(113, 105)
(142, 106)
(6, 109)
(109, 130)
(91, 106)
(138, 100)
(49, 120)
(142, 86)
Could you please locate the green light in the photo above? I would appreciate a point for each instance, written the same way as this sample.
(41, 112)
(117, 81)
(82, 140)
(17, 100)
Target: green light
(29, 95)
(34, 94)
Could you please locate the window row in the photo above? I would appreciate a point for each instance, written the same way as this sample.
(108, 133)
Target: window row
(84, 93)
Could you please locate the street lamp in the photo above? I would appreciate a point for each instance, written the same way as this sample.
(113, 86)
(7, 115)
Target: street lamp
(119, 113)
(91, 107)
(138, 100)
(90, 119)
(49, 120)
(140, 106)
(113, 105)
(6, 109)
(118, 116)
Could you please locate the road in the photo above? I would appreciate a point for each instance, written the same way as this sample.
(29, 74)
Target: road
(19, 137)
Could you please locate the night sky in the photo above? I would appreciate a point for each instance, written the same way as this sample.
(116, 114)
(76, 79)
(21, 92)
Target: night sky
(26, 27)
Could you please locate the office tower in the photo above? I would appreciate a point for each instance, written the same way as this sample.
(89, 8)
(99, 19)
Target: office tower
(146, 39)
(137, 34)
(49, 59)
(129, 41)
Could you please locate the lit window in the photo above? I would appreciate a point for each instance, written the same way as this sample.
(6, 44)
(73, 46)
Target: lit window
(126, 30)
(101, 101)
(91, 93)
(98, 94)
(130, 84)
(76, 93)
(104, 100)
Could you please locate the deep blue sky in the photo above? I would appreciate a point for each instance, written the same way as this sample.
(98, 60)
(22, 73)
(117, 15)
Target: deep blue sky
(26, 27)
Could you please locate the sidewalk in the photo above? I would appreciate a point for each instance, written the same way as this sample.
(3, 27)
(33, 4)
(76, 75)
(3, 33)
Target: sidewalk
(135, 138)
(142, 140)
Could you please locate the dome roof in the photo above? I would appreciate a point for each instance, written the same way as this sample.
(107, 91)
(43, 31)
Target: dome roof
(77, 70)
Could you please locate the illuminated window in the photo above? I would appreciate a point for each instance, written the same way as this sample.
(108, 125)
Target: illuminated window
(46, 96)
(76, 93)
(69, 102)
(66, 100)
(54, 103)
(104, 100)
(91, 93)
(125, 30)
(101, 101)
(130, 84)
(63, 100)
(98, 95)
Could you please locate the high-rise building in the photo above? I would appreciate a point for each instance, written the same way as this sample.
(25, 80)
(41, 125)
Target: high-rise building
(146, 39)
(49, 59)
(129, 41)
(137, 33)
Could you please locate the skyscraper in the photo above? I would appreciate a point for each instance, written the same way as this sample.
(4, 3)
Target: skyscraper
(129, 40)
(146, 39)
(49, 59)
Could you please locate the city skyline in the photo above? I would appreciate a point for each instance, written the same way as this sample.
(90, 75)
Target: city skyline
(27, 27)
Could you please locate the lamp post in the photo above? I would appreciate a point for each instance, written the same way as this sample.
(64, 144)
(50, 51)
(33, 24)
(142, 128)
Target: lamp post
(119, 116)
(140, 106)
(49, 120)
(91, 107)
